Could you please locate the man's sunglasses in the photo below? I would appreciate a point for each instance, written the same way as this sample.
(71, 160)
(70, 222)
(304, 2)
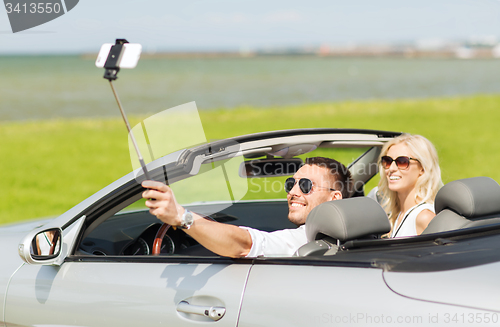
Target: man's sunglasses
(305, 185)
(402, 162)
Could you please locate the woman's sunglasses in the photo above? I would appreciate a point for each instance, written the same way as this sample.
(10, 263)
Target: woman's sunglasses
(402, 162)
(305, 185)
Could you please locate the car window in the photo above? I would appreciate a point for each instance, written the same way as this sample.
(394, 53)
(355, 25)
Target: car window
(132, 232)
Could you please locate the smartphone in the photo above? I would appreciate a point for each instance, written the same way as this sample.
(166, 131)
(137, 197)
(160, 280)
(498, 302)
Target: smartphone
(129, 57)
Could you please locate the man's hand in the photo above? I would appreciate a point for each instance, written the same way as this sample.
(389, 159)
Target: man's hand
(161, 202)
(223, 239)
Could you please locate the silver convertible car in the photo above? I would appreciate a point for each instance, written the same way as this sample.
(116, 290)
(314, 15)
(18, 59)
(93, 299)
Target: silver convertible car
(108, 262)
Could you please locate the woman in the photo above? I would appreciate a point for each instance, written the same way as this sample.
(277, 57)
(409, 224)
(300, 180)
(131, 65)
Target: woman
(410, 179)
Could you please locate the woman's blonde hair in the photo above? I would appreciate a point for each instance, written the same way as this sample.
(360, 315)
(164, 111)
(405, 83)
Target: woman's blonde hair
(427, 184)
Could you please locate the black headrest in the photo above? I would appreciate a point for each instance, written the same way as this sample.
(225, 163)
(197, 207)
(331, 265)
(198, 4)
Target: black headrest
(347, 219)
(470, 197)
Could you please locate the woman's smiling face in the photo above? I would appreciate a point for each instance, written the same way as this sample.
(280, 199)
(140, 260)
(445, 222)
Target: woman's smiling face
(402, 180)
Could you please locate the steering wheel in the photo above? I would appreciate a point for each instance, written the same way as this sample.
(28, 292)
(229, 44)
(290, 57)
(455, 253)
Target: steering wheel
(160, 234)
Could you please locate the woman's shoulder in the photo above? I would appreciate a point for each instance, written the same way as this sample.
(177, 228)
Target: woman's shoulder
(425, 214)
(426, 206)
(424, 217)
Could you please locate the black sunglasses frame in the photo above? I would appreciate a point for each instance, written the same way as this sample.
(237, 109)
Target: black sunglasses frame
(305, 185)
(387, 161)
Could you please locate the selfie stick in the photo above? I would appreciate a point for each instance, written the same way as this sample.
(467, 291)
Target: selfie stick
(112, 70)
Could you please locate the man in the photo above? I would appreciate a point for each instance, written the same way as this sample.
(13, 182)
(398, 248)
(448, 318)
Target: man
(318, 181)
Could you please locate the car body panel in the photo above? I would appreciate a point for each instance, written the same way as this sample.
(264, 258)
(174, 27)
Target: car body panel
(449, 286)
(10, 236)
(123, 293)
(10, 263)
(308, 295)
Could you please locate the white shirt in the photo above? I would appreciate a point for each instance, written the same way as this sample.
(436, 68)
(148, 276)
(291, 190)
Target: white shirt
(408, 225)
(282, 243)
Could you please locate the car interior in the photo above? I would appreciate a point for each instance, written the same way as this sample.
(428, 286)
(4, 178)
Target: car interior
(129, 229)
(467, 222)
(466, 203)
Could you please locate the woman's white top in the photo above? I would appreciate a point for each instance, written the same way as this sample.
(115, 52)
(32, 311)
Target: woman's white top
(408, 224)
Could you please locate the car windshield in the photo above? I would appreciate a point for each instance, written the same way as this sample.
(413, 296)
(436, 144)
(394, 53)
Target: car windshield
(221, 182)
(217, 180)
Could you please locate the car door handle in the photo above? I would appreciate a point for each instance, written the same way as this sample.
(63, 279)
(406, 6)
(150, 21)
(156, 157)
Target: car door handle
(214, 313)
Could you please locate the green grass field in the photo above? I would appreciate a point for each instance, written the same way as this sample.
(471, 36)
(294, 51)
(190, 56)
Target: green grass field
(49, 166)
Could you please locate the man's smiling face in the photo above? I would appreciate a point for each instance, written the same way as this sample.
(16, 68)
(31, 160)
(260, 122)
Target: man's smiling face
(300, 204)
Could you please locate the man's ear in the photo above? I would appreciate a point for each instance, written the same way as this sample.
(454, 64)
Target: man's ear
(335, 195)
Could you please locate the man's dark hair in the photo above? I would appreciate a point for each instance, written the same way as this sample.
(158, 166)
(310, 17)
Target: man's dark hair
(342, 175)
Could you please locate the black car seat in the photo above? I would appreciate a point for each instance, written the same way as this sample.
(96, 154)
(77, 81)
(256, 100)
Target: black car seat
(466, 203)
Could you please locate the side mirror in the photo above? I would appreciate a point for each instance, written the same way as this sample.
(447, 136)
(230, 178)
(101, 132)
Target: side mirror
(41, 246)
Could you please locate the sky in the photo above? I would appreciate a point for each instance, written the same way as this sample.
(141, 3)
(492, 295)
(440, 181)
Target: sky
(239, 25)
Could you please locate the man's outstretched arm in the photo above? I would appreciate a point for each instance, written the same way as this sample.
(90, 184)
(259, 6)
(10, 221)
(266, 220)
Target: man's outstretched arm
(223, 239)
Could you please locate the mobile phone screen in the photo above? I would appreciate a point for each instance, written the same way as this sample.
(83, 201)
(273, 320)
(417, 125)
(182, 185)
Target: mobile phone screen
(129, 57)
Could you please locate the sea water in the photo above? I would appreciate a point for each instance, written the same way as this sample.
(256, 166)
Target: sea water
(46, 87)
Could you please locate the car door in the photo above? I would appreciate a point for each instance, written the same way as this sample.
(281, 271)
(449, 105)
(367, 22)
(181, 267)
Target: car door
(85, 289)
(105, 291)
(321, 292)
(310, 293)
